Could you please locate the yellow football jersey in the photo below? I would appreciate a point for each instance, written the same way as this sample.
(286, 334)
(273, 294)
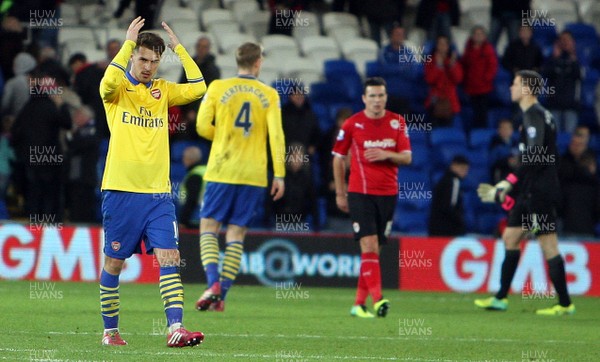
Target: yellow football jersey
(137, 116)
(239, 115)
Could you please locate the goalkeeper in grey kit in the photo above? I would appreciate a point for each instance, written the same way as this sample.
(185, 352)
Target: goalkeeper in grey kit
(535, 188)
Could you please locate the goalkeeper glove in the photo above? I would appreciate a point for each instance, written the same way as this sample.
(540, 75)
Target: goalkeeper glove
(498, 193)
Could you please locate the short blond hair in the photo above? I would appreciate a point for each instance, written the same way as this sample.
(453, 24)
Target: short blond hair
(247, 54)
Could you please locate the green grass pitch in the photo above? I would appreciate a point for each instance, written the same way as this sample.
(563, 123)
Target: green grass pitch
(47, 321)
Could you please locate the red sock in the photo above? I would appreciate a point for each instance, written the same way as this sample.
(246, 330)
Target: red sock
(370, 271)
(362, 292)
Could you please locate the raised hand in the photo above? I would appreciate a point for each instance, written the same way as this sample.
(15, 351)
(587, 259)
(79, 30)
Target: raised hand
(173, 41)
(134, 29)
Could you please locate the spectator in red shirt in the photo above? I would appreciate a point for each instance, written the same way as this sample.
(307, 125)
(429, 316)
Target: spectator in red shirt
(443, 73)
(379, 142)
(480, 64)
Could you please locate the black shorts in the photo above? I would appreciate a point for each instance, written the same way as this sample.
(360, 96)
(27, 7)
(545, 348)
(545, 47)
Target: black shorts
(537, 215)
(371, 215)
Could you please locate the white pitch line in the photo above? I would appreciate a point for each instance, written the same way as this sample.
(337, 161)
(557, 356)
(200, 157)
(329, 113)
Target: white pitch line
(238, 355)
(368, 338)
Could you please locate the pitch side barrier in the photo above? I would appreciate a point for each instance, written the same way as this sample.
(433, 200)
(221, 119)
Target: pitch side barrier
(286, 260)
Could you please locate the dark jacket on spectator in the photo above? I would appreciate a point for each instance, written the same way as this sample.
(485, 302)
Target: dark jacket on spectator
(87, 83)
(514, 6)
(519, 56)
(428, 8)
(447, 213)
(299, 124)
(580, 190)
(564, 75)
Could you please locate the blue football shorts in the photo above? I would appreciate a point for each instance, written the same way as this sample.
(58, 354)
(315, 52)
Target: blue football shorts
(130, 218)
(232, 204)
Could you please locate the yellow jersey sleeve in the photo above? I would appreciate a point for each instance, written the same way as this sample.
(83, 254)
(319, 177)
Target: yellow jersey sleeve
(180, 94)
(206, 114)
(113, 76)
(276, 137)
(241, 116)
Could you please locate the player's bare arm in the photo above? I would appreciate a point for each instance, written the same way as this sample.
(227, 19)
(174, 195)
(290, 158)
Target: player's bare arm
(173, 40)
(134, 29)
(341, 188)
(278, 188)
(378, 155)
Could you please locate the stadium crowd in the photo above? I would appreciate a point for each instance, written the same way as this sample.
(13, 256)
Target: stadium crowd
(447, 74)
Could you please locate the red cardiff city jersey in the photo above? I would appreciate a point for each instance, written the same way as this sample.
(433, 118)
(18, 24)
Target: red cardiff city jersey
(360, 133)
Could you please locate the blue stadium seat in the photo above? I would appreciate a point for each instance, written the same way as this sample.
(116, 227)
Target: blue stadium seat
(322, 112)
(496, 114)
(420, 157)
(177, 173)
(588, 94)
(178, 147)
(562, 141)
(480, 139)
(373, 69)
(324, 92)
(418, 138)
(477, 174)
(411, 222)
(343, 74)
(414, 189)
(582, 31)
(501, 93)
(487, 223)
(444, 154)
(544, 35)
(448, 135)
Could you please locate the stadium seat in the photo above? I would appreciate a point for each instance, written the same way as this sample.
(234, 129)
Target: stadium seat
(359, 46)
(217, 30)
(333, 20)
(479, 139)
(487, 223)
(294, 67)
(327, 93)
(447, 135)
(270, 70)
(227, 65)
(243, 8)
(210, 17)
(562, 141)
(411, 222)
(320, 48)
(343, 74)
(189, 38)
(280, 46)
(344, 34)
(257, 23)
(496, 114)
(310, 26)
(228, 43)
(582, 31)
(420, 156)
(544, 35)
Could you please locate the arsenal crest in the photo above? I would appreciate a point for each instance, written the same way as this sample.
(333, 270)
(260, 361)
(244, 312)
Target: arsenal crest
(155, 93)
(115, 245)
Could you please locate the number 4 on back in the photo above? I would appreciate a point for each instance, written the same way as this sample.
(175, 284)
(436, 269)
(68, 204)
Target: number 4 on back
(243, 118)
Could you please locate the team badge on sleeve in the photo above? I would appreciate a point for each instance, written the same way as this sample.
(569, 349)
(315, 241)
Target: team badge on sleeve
(340, 135)
(115, 245)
